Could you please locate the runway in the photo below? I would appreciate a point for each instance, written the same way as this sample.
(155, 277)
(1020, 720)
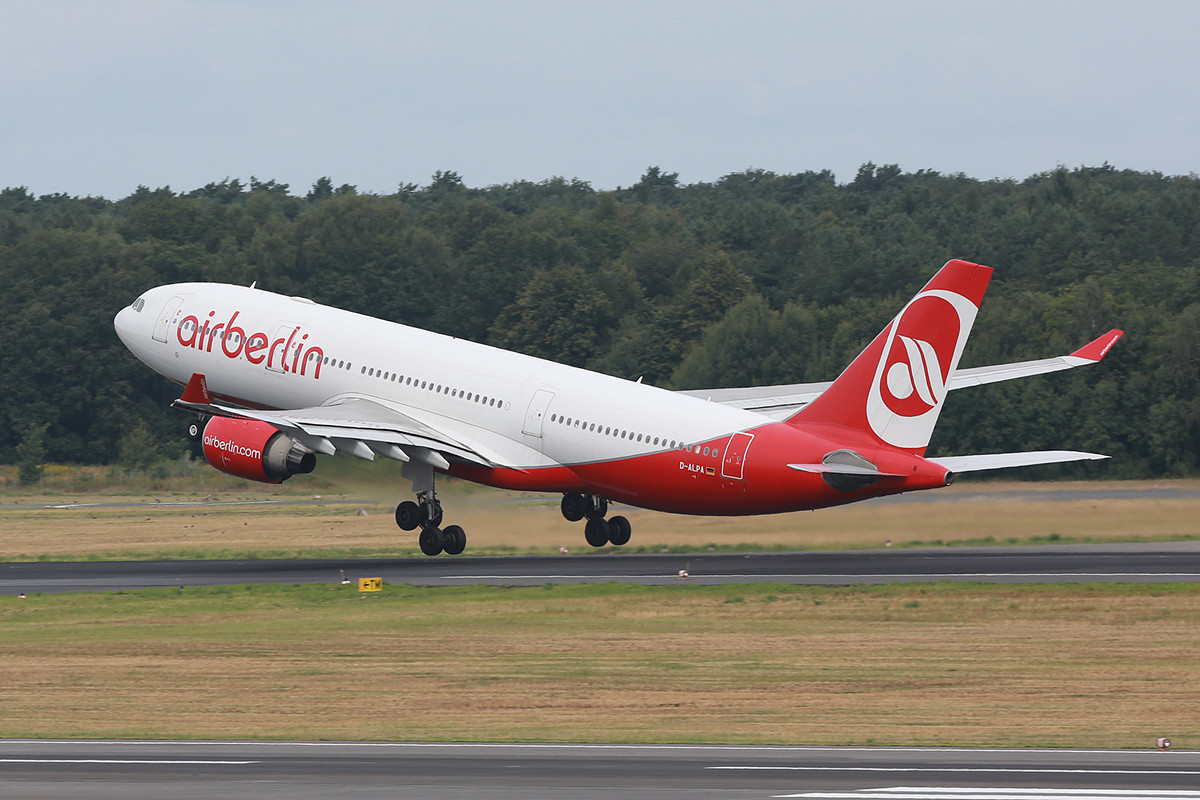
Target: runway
(274, 770)
(1157, 562)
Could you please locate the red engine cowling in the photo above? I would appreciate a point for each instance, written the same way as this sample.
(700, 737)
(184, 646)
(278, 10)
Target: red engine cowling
(251, 449)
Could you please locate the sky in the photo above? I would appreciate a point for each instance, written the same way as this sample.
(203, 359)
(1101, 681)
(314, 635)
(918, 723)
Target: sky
(98, 98)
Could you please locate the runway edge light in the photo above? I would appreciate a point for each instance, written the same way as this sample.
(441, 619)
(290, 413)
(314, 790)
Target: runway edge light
(1164, 744)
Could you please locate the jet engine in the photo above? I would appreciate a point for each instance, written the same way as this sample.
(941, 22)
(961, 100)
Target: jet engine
(256, 450)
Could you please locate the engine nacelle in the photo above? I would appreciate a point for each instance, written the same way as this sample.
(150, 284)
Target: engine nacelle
(256, 450)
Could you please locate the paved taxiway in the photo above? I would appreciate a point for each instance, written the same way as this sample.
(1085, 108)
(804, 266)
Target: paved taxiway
(1157, 562)
(293, 770)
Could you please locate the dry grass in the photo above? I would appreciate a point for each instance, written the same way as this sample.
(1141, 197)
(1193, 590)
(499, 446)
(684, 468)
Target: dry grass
(1086, 666)
(507, 522)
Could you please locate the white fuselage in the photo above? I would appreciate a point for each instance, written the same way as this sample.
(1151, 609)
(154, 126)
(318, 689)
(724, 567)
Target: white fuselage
(267, 350)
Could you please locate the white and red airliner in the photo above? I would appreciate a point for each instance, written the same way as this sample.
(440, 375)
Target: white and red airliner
(277, 380)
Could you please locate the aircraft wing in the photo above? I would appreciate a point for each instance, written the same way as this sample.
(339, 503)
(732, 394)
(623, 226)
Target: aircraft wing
(357, 426)
(782, 401)
(777, 402)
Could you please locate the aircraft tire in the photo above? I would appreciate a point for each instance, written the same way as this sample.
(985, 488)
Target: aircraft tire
(195, 430)
(408, 515)
(454, 540)
(596, 532)
(619, 531)
(430, 540)
(574, 506)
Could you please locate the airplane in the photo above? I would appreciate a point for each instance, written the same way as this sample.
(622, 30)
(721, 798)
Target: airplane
(278, 380)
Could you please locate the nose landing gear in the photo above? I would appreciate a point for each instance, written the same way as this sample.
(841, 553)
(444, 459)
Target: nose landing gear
(598, 531)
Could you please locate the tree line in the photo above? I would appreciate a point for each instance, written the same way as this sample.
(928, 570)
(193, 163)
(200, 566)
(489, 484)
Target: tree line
(754, 278)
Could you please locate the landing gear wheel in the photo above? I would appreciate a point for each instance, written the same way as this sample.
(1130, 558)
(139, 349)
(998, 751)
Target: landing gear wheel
(408, 515)
(430, 540)
(574, 506)
(454, 540)
(195, 430)
(619, 531)
(596, 532)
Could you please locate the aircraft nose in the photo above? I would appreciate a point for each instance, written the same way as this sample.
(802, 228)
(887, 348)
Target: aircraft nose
(122, 323)
(127, 323)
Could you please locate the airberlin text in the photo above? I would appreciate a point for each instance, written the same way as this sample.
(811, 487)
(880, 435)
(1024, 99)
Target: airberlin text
(232, 447)
(256, 347)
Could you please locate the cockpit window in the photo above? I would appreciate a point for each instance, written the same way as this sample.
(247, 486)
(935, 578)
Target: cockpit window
(139, 304)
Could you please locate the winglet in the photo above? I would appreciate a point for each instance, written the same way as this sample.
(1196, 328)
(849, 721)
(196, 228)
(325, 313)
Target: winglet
(1098, 348)
(196, 390)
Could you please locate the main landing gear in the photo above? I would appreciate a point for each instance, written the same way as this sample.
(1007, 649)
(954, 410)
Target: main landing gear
(598, 531)
(426, 514)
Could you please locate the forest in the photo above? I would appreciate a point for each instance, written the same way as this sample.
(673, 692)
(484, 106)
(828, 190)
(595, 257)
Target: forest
(755, 278)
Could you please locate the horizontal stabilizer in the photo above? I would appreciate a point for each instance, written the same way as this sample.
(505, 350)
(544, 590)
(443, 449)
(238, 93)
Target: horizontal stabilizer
(843, 469)
(1004, 460)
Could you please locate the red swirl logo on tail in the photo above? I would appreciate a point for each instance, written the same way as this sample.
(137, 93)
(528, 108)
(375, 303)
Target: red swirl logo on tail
(913, 382)
(920, 351)
(916, 367)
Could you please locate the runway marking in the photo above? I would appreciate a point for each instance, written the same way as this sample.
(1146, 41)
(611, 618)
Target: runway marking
(997, 793)
(123, 761)
(974, 770)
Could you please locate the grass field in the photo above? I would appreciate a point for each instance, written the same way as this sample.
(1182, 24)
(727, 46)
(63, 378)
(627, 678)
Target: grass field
(1086, 666)
(506, 522)
(1080, 665)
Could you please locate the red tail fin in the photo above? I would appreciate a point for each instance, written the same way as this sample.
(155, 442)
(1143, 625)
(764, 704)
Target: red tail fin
(894, 390)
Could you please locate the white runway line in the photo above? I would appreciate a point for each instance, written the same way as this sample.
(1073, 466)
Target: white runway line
(997, 793)
(123, 761)
(976, 770)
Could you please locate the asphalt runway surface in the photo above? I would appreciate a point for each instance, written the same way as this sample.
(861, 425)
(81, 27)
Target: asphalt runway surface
(69, 770)
(1156, 562)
